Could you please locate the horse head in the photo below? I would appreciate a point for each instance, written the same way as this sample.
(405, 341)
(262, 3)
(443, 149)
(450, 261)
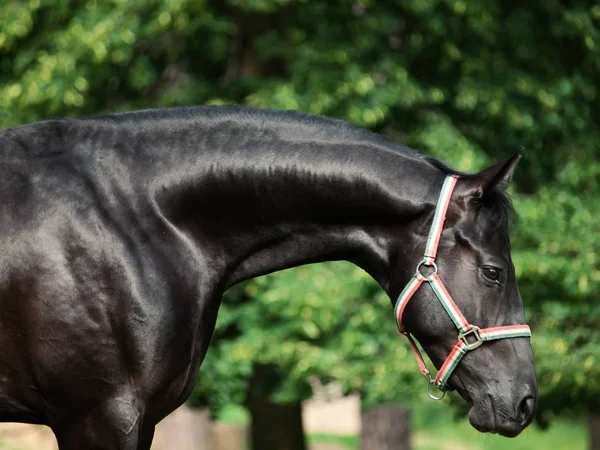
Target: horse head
(470, 320)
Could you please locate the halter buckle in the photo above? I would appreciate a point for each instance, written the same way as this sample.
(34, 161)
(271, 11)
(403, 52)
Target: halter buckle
(472, 333)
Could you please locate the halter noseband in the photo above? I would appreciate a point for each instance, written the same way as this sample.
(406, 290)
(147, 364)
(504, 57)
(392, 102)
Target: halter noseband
(469, 337)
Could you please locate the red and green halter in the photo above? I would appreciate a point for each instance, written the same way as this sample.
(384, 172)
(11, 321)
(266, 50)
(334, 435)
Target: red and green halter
(469, 337)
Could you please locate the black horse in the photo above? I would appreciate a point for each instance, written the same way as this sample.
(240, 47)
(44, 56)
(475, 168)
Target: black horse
(120, 233)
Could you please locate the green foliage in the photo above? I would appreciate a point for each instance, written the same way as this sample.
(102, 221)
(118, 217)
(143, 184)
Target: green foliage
(324, 322)
(465, 81)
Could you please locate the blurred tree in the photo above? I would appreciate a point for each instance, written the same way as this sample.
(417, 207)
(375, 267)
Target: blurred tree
(466, 81)
(273, 424)
(329, 322)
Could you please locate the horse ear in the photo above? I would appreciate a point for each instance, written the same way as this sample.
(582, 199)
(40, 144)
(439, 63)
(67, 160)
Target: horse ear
(494, 178)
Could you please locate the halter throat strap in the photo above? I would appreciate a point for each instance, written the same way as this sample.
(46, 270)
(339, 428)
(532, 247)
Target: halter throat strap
(470, 336)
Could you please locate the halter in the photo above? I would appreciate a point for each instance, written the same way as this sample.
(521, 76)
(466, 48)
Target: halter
(469, 336)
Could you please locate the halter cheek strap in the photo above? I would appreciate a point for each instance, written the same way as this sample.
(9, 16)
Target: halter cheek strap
(469, 336)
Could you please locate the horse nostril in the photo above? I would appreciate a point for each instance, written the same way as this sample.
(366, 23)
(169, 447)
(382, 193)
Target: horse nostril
(526, 408)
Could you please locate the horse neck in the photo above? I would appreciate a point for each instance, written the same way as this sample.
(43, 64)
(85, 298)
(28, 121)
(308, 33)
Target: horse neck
(265, 206)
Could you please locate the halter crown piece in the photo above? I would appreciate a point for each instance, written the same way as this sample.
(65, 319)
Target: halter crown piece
(469, 336)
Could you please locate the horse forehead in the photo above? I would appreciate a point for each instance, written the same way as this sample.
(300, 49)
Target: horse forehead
(483, 234)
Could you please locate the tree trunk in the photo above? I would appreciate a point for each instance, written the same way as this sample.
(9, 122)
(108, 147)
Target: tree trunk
(385, 428)
(594, 430)
(273, 426)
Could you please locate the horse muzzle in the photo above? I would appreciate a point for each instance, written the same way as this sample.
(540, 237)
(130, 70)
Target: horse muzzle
(493, 415)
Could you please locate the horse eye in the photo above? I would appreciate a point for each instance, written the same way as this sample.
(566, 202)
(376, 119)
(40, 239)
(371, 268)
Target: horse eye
(491, 273)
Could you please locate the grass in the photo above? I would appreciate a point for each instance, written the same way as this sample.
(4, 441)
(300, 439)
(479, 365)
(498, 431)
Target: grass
(435, 429)
(445, 433)
(344, 441)
(561, 436)
(460, 435)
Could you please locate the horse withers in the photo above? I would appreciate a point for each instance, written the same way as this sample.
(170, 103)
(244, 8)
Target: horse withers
(120, 233)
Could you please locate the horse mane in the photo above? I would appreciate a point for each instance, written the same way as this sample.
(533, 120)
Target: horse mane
(286, 123)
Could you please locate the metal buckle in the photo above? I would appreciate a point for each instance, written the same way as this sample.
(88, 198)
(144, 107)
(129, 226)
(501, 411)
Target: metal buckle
(431, 395)
(422, 263)
(474, 331)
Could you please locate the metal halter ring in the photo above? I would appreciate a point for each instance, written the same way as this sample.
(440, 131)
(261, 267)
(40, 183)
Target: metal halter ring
(474, 331)
(422, 263)
(431, 395)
